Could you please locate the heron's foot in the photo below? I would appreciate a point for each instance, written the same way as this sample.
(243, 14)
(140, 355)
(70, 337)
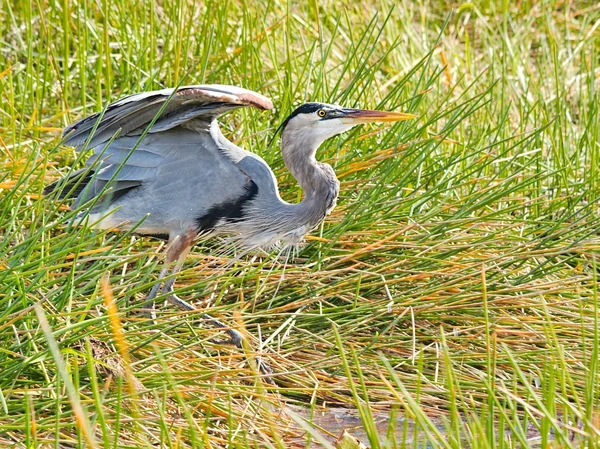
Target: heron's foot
(235, 337)
(265, 369)
(181, 304)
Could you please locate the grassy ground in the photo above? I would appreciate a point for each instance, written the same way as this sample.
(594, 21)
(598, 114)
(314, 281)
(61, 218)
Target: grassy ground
(455, 284)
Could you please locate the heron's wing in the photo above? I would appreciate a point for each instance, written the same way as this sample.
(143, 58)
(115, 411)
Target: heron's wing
(173, 181)
(173, 177)
(170, 107)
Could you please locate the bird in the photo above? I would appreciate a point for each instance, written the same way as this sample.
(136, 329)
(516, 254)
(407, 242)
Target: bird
(161, 166)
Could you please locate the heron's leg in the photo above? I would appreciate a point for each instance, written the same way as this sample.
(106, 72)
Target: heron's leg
(150, 299)
(177, 250)
(235, 337)
(168, 286)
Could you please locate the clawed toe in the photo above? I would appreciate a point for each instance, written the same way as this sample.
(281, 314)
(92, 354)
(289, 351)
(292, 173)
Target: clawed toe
(235, 337)
(166, 288)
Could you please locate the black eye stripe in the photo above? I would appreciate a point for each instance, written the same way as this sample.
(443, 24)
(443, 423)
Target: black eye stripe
(310, 108)
(306, 108)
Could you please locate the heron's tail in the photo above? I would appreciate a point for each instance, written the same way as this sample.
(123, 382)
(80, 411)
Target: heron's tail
(71, 185)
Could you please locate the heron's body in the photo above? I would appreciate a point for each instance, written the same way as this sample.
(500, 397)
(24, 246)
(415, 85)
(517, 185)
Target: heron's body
(161, 165)
(185, 175)
(181, 174)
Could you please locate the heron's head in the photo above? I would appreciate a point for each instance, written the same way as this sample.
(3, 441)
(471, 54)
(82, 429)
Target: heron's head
(312, 123)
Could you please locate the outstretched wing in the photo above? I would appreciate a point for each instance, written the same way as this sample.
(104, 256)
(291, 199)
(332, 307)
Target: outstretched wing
(176, 176)
(170, 107)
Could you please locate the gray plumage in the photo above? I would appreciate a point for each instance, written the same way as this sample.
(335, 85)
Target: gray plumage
(184, 170)
(161, 164)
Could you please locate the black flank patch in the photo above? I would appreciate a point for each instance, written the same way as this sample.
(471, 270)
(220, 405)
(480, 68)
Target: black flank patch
(230, 211)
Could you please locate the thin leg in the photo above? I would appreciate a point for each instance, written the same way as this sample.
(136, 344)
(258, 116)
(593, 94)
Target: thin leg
(149, 306)
(178, 250)
(235, 338)
(168, 287)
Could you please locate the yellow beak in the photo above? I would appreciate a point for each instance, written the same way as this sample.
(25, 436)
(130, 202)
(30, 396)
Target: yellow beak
(356, 116)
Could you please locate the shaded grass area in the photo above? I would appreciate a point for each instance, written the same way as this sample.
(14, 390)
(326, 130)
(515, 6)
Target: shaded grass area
(456, 279)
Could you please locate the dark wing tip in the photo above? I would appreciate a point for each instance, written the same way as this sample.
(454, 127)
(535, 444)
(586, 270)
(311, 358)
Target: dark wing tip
(68, 130)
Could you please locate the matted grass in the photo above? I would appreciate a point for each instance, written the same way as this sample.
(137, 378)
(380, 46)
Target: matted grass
(455, 283)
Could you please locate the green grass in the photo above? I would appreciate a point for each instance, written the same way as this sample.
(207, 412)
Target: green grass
(455, 283)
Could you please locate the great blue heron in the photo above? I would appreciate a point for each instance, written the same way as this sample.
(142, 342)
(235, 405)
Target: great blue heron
(162, 167)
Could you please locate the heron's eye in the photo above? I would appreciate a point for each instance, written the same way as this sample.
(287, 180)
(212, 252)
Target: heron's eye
(321, 113)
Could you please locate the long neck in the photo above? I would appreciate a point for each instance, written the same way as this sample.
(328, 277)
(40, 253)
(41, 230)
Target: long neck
(316, 179)
(267, 219)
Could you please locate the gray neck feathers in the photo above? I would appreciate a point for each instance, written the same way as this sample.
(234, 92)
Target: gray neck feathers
(271, 220)
(318, 181)
(299, 158)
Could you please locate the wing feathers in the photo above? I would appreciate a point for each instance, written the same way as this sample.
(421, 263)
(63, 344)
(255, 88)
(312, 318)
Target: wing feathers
(174, 174)
(132, 114)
